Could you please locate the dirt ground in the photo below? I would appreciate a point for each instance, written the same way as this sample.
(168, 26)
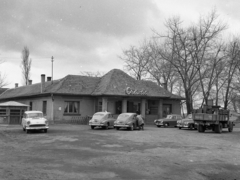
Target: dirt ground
(75, 152)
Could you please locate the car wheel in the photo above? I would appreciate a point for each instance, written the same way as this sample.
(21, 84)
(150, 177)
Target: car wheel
(166, 125)
(132, 127)
(92, 127)
(179, 128)
(191, 127)
(24, 129)
(117, 128)
(107, 126)
(158, 126)
(45, 130)
(27, 131)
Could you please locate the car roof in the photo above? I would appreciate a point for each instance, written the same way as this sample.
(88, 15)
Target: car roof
(29, 112)
(128, 113)
(103, 113)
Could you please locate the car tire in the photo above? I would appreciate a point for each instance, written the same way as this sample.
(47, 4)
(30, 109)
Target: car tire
(117, 128)
(132, 127)
(166, 125)
(179, 128)
(92, 127)
(27, 131)
(191, 127)
(107, 126)
(45, 130)
(24, 129)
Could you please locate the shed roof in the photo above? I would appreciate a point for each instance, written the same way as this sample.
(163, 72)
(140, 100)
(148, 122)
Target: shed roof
(12, 103)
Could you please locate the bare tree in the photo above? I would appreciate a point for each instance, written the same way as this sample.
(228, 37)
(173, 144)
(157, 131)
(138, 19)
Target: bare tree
(233, 63)
(190, 49)
(136, 60)
(92, 74)
(26, 65)
(3, 78)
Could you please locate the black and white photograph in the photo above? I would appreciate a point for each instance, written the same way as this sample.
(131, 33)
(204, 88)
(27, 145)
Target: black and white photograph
(119, 89)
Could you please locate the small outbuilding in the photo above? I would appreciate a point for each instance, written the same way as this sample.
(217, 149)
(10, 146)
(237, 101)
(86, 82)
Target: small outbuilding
(11, 112)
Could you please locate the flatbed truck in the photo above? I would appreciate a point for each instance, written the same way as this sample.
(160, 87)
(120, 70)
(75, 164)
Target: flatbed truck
(212, 118)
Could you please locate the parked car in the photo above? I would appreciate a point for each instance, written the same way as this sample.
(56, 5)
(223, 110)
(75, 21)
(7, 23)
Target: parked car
(170, 120)
(34, 120)
(187, 123)
(102, 119)
(126, 120)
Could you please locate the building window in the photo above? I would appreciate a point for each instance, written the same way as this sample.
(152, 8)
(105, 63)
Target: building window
(44, 107)
(30, 106)
(71, 107)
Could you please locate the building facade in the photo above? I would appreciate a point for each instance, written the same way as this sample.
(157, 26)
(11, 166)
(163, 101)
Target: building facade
(76, 96)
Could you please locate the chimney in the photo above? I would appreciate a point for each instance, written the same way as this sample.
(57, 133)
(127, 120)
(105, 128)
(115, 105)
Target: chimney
(16, 85)
(165, 86)
(29, 82)
(49, 78)
(42, 82)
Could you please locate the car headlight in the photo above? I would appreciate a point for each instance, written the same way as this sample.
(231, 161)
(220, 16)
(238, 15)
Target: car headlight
(28, 122)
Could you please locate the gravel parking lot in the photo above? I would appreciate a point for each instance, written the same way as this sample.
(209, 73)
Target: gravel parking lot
(76, 152)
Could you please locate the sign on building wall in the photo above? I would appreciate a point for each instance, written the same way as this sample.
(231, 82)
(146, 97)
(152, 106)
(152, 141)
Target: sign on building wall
(131, 91)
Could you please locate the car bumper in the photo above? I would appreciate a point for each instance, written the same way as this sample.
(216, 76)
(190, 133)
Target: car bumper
(98, 125)
(122, 125)
(37, 128)
(179, 125)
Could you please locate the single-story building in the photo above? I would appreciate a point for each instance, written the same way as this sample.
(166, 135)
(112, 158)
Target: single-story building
(76, 96)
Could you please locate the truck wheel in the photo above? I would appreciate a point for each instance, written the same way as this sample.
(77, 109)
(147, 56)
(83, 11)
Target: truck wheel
(201, 128)
(230, 127)
(218, 128)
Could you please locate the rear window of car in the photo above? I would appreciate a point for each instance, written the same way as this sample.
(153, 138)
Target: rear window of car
(123, 116)
(98, 116)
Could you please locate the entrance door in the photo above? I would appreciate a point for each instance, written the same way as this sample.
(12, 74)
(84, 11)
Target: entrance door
(167, 109)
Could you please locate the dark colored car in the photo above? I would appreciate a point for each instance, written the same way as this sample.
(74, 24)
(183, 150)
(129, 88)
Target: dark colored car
(127, 120)
(170, 120)
(187, 123)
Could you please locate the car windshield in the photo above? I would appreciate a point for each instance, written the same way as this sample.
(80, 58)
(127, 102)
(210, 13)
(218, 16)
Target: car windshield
(98, 116)
(35, 115)
(170, 117)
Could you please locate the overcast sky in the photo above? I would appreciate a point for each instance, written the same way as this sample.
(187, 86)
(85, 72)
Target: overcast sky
(89, 35)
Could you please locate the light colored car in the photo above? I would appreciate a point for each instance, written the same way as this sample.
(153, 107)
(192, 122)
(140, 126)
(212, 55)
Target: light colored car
(126, 120)
(187, 123)
(170, 120)
(34, 120)
(102, 119)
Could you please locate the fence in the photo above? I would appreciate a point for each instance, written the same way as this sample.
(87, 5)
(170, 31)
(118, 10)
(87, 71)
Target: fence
(75, 120)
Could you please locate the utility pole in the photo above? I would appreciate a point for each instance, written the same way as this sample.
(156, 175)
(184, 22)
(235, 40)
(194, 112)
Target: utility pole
(52, 69)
